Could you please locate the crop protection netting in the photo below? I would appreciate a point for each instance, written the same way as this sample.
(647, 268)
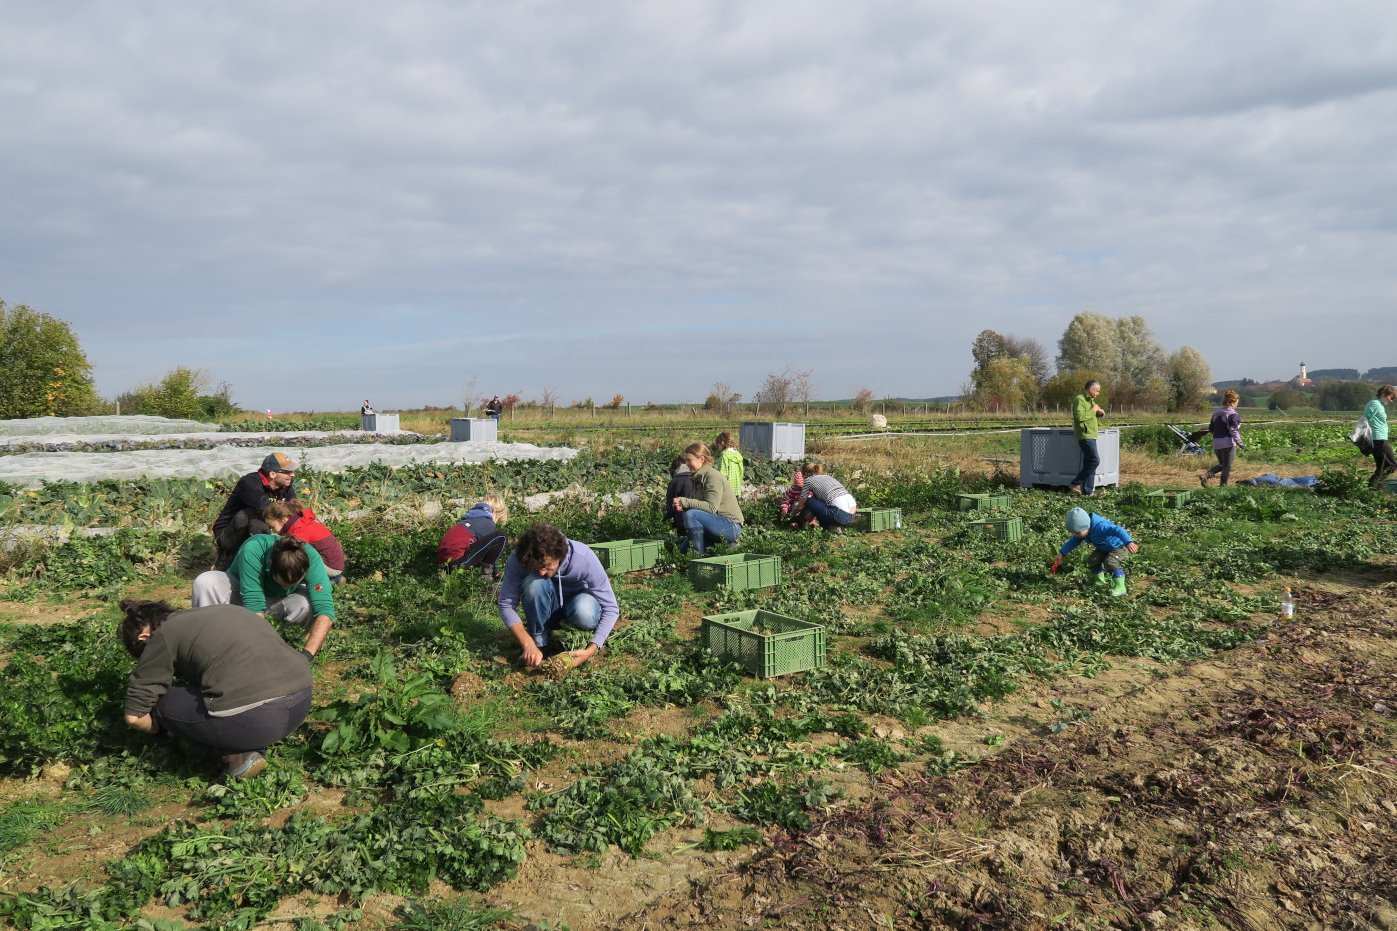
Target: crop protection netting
(115, 425)
(33, 469)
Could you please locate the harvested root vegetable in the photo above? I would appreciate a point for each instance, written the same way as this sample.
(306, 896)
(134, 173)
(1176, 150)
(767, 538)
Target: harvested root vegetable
(556, 667)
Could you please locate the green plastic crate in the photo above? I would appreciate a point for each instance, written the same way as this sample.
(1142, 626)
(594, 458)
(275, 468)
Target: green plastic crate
(1176, 497)
(875, 520)
(981, 501)
(620, 556)
(737, 572)
(1149, 500)
(764, 643)
(1003, 528)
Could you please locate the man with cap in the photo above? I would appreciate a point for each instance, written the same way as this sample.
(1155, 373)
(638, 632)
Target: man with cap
(242, 513)
(1111, 546)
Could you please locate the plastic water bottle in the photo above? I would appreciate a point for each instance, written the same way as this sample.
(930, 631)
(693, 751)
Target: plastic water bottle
(1287, 605)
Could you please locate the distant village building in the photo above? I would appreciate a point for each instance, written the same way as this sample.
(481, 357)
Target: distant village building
(1302, 380)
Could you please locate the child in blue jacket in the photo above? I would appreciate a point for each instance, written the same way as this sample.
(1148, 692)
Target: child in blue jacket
(1111, 545)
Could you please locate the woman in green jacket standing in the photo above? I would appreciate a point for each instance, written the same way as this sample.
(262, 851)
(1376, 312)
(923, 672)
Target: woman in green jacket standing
(1376, 415)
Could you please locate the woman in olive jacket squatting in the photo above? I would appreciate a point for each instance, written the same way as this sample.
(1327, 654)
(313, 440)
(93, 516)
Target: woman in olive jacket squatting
(245, 687)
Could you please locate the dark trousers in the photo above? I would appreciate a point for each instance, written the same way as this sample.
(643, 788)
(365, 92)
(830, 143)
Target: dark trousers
(1386, 464)
(181, 711)
(483, 552)
(1086, 478)
(1226, 457)
(232, 535)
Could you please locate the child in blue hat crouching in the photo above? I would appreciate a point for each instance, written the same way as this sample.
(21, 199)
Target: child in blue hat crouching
(1111, 546)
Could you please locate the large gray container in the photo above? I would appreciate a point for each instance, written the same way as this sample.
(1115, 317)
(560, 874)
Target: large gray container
(773, 440)
(379, 423)
(474, 430)
(1050, 456)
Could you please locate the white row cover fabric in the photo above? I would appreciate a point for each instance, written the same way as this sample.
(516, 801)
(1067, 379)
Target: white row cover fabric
(102, 426)
(128, 440)
(33, 469)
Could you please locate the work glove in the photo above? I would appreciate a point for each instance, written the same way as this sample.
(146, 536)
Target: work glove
(1056, 567)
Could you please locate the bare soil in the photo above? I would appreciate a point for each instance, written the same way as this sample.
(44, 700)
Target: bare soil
(1256, 790)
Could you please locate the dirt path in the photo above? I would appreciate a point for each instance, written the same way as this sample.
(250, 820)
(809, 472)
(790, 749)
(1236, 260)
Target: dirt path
(1257, 790)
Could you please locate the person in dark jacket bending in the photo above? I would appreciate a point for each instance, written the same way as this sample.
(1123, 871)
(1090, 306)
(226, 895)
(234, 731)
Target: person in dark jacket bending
(243, 687)
(241, 516)
(681, 485)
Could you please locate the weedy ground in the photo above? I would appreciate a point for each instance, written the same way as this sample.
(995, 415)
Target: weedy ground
(987, 746)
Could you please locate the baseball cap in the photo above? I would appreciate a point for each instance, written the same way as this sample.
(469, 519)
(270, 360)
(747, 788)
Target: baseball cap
(278, 462)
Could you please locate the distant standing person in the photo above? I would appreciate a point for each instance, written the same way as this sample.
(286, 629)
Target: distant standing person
(1227, 438)
(494, 407)
(712, 514)
(826, 499)
(1085, 414)
(242, 687)
(1376, 415)
(555, 581)
(730, 461)
(366, 408)
(241, 516)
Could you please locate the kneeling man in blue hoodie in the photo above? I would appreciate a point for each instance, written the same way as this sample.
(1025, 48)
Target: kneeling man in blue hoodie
(555, 581)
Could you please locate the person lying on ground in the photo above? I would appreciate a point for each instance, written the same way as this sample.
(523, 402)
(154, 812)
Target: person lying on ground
(241, 516)
(475, 541)
(280, 578)
(243, 688)
(555, 581)
(1111, 546)
(293, 519)
(712, 515)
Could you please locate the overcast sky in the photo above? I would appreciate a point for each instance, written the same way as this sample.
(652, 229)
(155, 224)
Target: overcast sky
(318, 202)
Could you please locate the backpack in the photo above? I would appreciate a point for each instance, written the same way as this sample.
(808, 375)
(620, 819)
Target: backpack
(1362, 436)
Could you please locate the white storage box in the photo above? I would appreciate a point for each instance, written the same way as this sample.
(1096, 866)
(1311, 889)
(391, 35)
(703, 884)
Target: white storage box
(1049, 456)
(772, 440)
(474, 430)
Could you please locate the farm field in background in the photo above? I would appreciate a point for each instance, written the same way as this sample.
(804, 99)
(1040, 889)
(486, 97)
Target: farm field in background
(987, 746)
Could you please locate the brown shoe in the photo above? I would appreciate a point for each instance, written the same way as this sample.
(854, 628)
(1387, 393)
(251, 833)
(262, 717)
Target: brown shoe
(1074, 489)
(243, 765)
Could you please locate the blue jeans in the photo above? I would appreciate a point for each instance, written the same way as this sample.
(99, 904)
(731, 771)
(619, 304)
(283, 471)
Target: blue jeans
(1086, 478)
(543, 613)
(702, 527)
(828, 515)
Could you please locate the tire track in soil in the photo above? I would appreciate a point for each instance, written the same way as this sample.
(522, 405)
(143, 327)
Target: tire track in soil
(1256, 790)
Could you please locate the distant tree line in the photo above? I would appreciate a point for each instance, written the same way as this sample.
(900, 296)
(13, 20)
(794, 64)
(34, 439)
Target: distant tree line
(1013, 373)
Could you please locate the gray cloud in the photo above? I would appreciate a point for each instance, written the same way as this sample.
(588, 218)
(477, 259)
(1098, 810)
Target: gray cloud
(648, 198)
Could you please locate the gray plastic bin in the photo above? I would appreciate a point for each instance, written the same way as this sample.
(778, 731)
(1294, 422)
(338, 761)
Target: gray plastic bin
(379, 423)
(772, 440)
(1050, 456)
(474, 430)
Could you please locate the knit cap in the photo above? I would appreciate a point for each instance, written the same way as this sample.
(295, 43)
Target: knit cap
(1078, 520)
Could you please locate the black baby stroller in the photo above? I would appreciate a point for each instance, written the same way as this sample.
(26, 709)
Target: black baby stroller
(1190, 447)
